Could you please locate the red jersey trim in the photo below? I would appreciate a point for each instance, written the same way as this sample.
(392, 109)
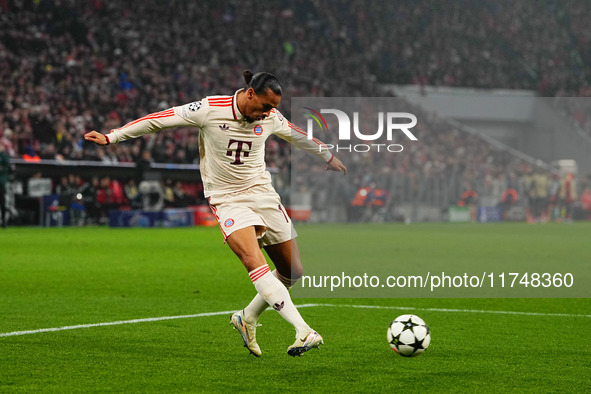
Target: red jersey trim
(220, 101)
(155, 115)
(233, 110)
(302, 132)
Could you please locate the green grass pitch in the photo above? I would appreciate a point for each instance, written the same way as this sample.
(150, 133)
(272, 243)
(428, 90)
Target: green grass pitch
(52, 278)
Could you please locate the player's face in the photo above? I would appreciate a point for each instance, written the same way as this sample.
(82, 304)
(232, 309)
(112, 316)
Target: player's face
(259, 106)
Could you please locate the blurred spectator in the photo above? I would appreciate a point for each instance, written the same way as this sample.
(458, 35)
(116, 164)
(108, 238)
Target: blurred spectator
(359, 204)
(541, 189)
(469, 197)
(508, 199)
(132, 194)
(175, 196)
(4, 173)
(586, 200)
(378, 203)
(142, 166)
(105, 199)
(567, 196)
(66, 191)
(89, 193)
(169, 197)
(183, 199)
(31, 155)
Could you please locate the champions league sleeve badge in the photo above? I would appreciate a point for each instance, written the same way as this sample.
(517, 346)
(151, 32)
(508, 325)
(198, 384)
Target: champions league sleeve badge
(195, 106)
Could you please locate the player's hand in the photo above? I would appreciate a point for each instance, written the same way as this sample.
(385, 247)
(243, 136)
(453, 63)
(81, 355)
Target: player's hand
(97, 138)
(336, 165)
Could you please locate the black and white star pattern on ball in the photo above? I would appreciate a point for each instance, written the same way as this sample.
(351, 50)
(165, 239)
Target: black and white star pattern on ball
(409, 324)
(195, 106)
(417, 344)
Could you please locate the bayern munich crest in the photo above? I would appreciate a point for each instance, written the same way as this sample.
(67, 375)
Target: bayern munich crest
(229, 223)
(258, 129)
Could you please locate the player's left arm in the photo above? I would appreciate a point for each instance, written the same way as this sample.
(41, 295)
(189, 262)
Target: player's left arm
(299, 137)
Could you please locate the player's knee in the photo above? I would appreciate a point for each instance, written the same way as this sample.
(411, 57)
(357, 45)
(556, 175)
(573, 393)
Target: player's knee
(289, 278)
(296, 272)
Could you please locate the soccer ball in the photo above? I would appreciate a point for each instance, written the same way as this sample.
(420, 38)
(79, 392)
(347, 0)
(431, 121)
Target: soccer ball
(408, 335)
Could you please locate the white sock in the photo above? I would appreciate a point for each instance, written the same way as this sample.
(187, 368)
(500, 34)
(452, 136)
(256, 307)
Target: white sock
(258, 305)
(276, 294)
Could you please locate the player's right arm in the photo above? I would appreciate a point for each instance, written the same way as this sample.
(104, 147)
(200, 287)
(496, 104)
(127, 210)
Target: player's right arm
(298, 137)
(192, 115)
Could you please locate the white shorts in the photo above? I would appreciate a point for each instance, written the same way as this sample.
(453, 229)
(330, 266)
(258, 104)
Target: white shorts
(259, 206)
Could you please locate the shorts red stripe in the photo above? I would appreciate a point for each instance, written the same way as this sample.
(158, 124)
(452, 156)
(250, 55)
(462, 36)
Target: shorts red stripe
(214, 210)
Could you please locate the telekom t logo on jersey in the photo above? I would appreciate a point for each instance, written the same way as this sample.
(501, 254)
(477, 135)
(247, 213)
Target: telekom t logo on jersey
(239, 150)
(345, 128)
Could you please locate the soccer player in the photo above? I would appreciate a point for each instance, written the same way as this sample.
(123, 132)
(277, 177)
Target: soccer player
(233, 130)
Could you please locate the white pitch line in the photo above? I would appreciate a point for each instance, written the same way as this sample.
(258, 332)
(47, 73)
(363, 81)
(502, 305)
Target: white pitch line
(153, 319)
(113, 323)
(449, 310)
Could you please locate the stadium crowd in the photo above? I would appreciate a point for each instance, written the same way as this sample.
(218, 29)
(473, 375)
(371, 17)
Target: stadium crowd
(542, 46)
(67, 67)
(90, 199)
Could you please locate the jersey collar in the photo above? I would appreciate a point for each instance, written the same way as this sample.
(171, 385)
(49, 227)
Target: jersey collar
(235, 111)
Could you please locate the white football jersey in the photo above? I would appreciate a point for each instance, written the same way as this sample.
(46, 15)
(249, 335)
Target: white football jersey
(232, 150)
